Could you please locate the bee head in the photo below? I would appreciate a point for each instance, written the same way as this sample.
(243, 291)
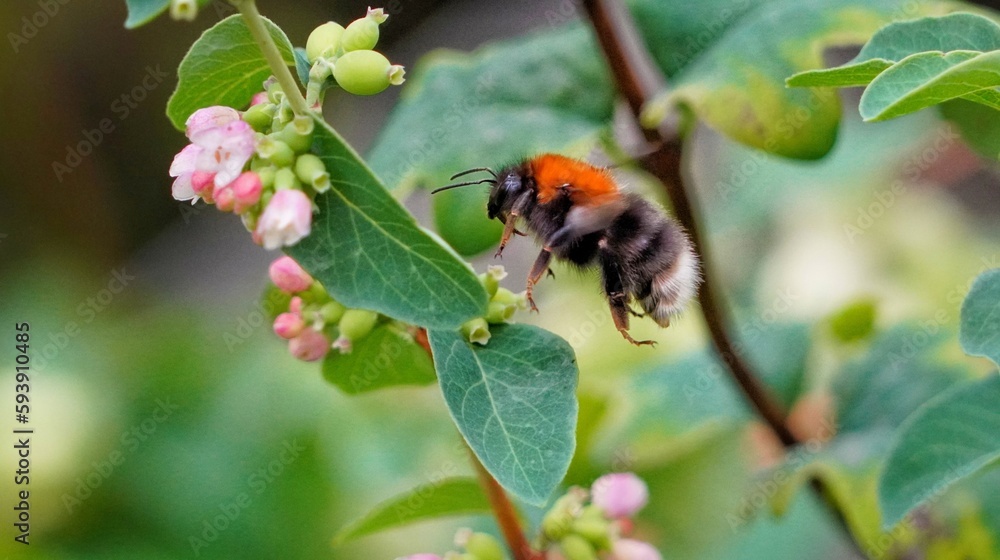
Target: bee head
(509, 183)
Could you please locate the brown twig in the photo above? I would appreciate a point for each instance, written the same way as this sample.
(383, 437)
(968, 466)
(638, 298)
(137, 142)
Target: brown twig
(620, 43)
(503, 509)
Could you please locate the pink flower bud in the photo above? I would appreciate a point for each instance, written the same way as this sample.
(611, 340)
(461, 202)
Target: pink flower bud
(295, 306)
(258, 98)
(289, 325)
(210, 117)
(203, 182)
(288, 276)
(628, 549)
(309, 346)
(246, 191)
(286, 220)
(343, 345)
(619, 494)
(224, 198)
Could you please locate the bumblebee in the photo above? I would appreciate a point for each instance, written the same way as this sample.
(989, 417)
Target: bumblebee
(580, 215)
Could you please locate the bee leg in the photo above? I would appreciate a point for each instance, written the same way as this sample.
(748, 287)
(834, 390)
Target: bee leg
(537, 271)
(618, 300)
(508, 230)
(635, 313)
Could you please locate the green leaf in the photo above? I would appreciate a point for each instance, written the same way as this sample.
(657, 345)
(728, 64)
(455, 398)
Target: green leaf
(979, 125)
(737, 86)
(980, 330)
(896, 41)
(490, 108)
(369, 252)
(388, 356)
(141, 12)
(451, 496)
(946, 440)
(514, 400)
(926, 79)
(223, 67)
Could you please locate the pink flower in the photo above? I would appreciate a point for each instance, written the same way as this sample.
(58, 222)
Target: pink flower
(295, 306)
(183, 168)
(225, 150)
(286, 220)
(628, 549)
(258, 98)
(619, 494)
(209, 117)
(289, 276)
(246, 191)
(309, 346)
(289, 325)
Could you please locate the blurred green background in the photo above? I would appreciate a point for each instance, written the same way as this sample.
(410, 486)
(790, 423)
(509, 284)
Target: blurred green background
(149, 376)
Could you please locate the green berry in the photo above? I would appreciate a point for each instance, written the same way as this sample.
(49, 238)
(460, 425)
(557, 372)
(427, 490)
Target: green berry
(275, 151)
(597, 532)
(362, 72)
(357, 323)
(310, 170)
(259, 116)
(299, 143)
(484, 547)
(507, 297)
(324, 41)
(360, 35)
(285, 178)
(499, 312)
(575, 547)
(477, 331)
(332, 312)
(266, 174)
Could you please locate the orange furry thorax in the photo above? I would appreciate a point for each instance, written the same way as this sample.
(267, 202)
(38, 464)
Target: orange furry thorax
(586, 184)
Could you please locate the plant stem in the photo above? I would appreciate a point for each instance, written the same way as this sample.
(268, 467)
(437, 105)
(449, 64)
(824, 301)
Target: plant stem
(503, 509)
(621, 45)
(254, 21)
(505, 514)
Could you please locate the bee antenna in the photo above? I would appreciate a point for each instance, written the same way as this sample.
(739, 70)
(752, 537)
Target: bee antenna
(456, 185)
(473, 170)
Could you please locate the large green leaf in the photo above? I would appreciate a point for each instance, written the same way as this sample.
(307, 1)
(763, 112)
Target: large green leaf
(898, 40)
(387, 357)
(370, 253)
(737, 85)
(926, 79)
(493, 107)
(980, 333)
(223, 67)
(141, 12)
(514, 400)
(978, 124)
(451, 496)
(948, 439)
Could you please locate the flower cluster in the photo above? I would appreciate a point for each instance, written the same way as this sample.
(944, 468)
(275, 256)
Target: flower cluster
(346, 55)
(315, 323)
(581, 525)
(274, 197)
(503, 304)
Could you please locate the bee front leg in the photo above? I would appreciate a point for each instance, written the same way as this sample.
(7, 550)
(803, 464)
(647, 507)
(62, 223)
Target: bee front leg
(537, 271)
(508, 230)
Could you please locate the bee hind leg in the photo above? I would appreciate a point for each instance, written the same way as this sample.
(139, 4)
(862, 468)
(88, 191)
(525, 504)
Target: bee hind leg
(537, 271)
(618, 299)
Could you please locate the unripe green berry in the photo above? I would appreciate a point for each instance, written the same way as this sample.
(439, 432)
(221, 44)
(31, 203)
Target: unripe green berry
(575, 547)
(499, 312)
(596, 531)
(357, 323)
(275, 151)
(507, 297)
(259, 116)
(332, 312)
(266, 174)
(324, 41)
(484, 547)
(284, 178)
(311, 170)
(361, 34)
(299, 143)
(362, 72)
(477, 331)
